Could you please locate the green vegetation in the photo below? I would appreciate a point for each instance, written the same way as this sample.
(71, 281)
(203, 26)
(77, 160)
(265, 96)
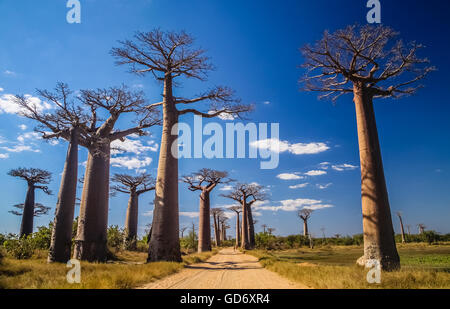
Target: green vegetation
(423, 266)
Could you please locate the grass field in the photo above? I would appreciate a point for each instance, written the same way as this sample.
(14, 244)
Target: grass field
(423, 266)
(128, 271)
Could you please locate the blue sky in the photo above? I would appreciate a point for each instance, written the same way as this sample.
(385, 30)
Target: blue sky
(254, 45)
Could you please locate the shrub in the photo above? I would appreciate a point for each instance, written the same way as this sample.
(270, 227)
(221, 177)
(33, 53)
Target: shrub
(116, 237)
(21, 249)
(42, 237)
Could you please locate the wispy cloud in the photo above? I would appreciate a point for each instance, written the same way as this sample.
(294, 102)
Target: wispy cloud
(315, 173)
(131, 163)
(10, 73)
(292, 205)
(322, 187)
(8, 106)
(289, 176)
(343, 167)
(4, 155)
(189, 214)
(300, 185)
(132, 145)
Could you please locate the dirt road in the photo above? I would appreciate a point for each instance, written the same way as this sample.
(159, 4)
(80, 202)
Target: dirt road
(228, 269)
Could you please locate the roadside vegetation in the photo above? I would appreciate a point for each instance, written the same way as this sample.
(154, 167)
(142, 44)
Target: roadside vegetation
(331, 266)
(23, 264)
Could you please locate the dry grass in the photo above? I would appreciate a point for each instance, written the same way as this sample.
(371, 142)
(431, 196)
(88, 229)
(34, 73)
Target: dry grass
(128, 272)
(423, 267)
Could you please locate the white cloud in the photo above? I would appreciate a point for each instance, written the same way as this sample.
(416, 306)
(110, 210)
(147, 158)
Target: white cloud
(226, 188)
(131, 162)
(189, 214)
(324, 165)
(275, 145)
(315, 173)
(28, 136)
(1, 89)
(292, 205)
(20, 148)
(266, 102)
(23, 127)
(300, 185)
(289, 176)
(8, 106)
(321, 187)
(148, 213)
(4, 155)
(8, 72)
(130, 145)
(344, 167)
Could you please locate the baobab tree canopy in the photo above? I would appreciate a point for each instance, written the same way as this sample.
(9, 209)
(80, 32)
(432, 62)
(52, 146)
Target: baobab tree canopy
(132, 184)
(39, 210)
(33, 176)
(365, 55)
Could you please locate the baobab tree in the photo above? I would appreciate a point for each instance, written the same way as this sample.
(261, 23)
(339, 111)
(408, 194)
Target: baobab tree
(170, 56)
(36, 179)
(205, 181)
(134, 186)
(270, 230)
(264, 226)
(182, 230)
(90, 242)
(366, 62)
(216, 214)
(421, 227)
(63, 122)
(247, 195)
(305, 214)
(223, 227)
(399, 215)
(237, 210)
(39, 210)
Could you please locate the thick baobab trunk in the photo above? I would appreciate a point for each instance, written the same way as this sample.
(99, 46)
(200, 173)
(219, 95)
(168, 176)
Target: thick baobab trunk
(204, 229)
(26, 227)
(91, 239)
(61, 241)
(245, 239)
(402, 229)
(238, 235)
(165, 241)
(305, 227)
(251, 227)
(379, 240)
(131, 222)
(224, 232)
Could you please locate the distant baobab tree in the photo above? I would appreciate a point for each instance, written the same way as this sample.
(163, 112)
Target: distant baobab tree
(408, 227)
(305, 214)
(216, 214)
(421, 227)
(264, 226)
(322, 229)
(205, 181)
(399, 215)
(247, 195)
(168, 56)
(64, 121)
(270, 230)
(39, 210)
(134, 186)
(237, 210)
(366, 62)
(36, 179)
(182, 230)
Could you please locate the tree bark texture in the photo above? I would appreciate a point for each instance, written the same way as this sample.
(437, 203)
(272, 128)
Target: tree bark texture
(204, 230)
(26, 227)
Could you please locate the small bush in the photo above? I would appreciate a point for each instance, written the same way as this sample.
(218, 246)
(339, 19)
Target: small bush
(20, 249)
(116, 237)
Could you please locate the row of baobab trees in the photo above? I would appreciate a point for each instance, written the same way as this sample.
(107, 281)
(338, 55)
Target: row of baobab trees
(365, 61)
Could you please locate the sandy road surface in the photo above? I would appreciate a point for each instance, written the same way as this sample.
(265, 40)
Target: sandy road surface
(228, 269)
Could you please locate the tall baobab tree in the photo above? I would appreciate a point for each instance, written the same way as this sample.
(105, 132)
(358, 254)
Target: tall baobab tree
(216, 214)
(399, 215)
(205, 181)
(237, 210)
(90, 242)
(134, 186)
(39, 210)
(247, 195)
(421, 227)
(64, 121)
(408, 227)
(270, 230)
(305, 214)
(366, 62)
(170, 56)
(36, 179)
